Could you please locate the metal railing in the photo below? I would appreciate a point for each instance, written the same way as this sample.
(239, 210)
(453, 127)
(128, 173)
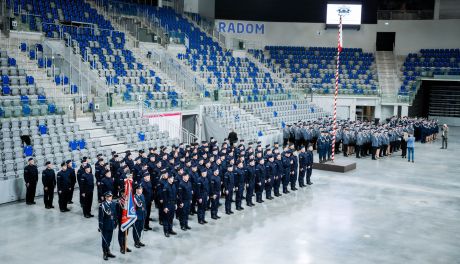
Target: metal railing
(165, 124)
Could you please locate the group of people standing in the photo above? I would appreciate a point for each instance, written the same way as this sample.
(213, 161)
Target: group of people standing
(362, 138)
(181, 181)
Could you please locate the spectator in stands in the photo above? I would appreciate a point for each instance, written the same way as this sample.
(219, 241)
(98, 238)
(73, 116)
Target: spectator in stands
(31, 179)
(445, 131)
(232, 136)
(410, 148)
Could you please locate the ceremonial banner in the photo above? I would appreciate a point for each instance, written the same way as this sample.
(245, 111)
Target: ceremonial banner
(128, 216)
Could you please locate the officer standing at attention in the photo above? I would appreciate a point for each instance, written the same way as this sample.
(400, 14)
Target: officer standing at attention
(169, 197)
(63, 187)
(229, 186)
(148, 195)
(73, 180)
(121, 234)
(250, 180)
(269, 176)
(202, 196)
(31, 179)
(107, 223)
(185, 193)
(107, 183)
(139, 203)
(214, 195)
(239, 185)
(286, 170)
(309, 163)
(49, 182)
(278, 175)
(260, 180)
(86, 191)
(302, 166)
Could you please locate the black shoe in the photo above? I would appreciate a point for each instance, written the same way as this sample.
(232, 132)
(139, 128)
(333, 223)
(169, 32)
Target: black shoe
(188, 227)
(239, 208)
(51, 206)
(204, 221)
(63, 211)
(166, 234)
(214, 217)
(150, 219)
(105, 256)
(141, 244)
(227, 212)
(172, 233)
(201, 222)
(270, 198)
(122, 251)
(47, 207)
(110, 255)
(128, 250)
(91, 215)
(218, 217)
(310, 183)
(137, 245)
(70, 202)
(145, 229)
(87, 216)
(183, 228)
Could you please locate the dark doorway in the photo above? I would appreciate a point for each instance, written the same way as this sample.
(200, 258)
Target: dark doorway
(385, 41)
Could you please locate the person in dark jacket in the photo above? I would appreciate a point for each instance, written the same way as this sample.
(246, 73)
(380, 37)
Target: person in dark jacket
(73, 180)
(148, 195)
(63, 187)
(169, 197)
(184, 194)
(86, 190)
(49, 182)
(232, 137)
(30, 179)
(107, 223)
(139, 204)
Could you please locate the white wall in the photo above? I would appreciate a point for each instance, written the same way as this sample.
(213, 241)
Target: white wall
(411, 35)
(206, 8)
(346, 103)
(191, 6)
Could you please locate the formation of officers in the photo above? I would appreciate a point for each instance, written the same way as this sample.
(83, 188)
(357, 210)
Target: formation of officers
(184, 181)
(361, 138)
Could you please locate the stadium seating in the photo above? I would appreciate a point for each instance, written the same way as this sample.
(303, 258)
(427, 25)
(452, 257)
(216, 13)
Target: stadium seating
(315, 67)
(129, 126)
(427, 63)
(97, 42)
(51, 138)
(246, 125)
(282, 113)
(20, 96)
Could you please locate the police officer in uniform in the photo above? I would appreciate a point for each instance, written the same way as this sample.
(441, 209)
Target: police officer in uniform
(250, 181)
(31, 179)
(86, 191)
(185, 193)
(169, 197)
(139, 203)
(260, 180)
(107, 223)
(214, 195)
(63, 187)
(229, 186)
(202, 196)
(302, 166)
(309, 164)
(73, 180)
(49, 182)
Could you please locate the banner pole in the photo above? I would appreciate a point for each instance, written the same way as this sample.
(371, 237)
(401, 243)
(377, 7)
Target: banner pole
(334, 124)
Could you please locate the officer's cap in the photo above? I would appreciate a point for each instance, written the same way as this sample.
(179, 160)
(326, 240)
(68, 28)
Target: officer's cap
(114, 152)
(108, 194)
(63, 164)
(48, 162)
(139, 186)
(99, 155)
(68, 161)
(30, 159)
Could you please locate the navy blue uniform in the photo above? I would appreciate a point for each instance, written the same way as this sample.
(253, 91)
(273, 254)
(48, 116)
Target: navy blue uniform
(107, 184)
(260, 182)
(139, 203)
(250, 179)
(107, 223)
(293, 177)
(215, 185)
(309, 164)
(148, 196)
(278, 175)
(63, 187)
(86, 190)
(239, 186)
(302, 168)
(49, 182)
(286, 173)
(185, 199)
(229, 186)
(169, 197)
(270, 178)
(202, 197)
(31, 179)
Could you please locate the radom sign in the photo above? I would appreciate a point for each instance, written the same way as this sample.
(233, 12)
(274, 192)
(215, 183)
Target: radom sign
(241, 27)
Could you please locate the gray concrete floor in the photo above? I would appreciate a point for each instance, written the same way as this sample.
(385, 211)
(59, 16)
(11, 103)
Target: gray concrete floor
(386, 211)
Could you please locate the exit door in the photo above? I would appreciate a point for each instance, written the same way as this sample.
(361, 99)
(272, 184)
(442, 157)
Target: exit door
(385, 41)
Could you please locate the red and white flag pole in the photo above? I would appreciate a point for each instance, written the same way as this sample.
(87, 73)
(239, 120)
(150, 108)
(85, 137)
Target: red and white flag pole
(334, 123)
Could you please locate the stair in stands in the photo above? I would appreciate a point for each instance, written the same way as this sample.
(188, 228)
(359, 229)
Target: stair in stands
(387, 74)
(96, 131)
